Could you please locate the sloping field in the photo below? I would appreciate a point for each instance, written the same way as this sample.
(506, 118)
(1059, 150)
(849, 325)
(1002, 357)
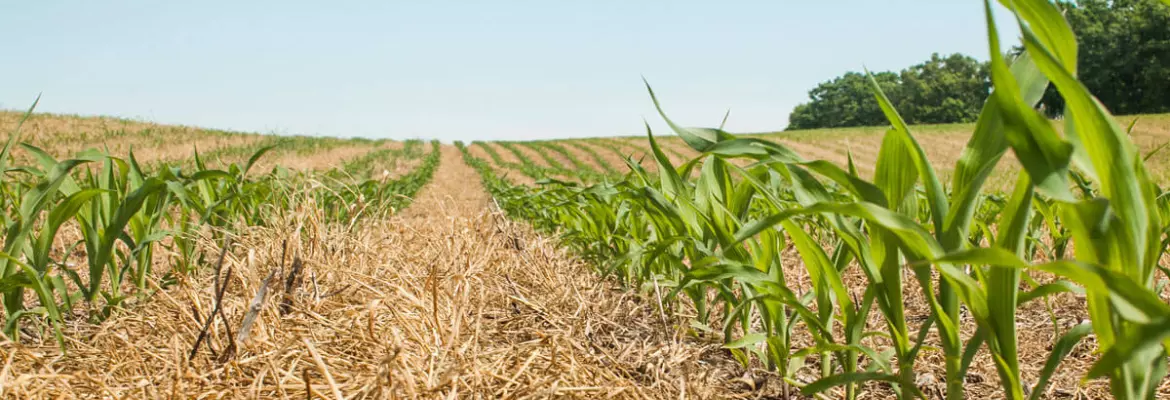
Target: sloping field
(349, 268)
(943, 145)
(447, 299)
(310, 277)
(623, 226)
(64, 136)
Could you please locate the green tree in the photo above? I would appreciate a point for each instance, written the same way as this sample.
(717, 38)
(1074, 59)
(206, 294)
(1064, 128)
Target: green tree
(939, 90)
(1124, 56)
(943, 90)
(844, 101)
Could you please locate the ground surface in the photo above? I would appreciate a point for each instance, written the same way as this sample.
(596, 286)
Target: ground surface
(943, 145)
(447, 299)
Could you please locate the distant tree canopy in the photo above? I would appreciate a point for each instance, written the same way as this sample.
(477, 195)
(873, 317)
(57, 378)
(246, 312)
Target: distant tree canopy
(1123, 59)
(940, 90)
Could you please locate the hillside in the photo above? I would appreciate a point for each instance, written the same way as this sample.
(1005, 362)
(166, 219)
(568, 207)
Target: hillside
(943, 144)
(354, 268)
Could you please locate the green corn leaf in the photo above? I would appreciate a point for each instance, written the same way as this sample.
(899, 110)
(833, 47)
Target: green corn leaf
(824, 384)
(817, 263)
(699, 139)
(255, 157)
(971, 349)
(1050, 26)
(1040, 150)
(58, 216)
(13, 136)
(895, 173)
(13, 282)
(1122, 290)
(936, 197)
(1060, 350)
(672, 183)
(1146, 338)
(27, 113)
(1106, 144)
(747, 340)
(849, 163)
(37, 199)
(755, 148)
(984, 150)
(33, 281)
(1003, 285)
(113, 230)
(1048, 289)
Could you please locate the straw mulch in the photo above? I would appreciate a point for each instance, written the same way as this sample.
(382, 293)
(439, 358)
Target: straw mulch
(446, 300)
(449, 299)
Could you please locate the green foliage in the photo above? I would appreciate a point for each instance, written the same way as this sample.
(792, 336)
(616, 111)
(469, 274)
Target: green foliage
(943, 90)
(711, 233)
(582, 173)
(376, 161)
(124, 212)
(843, 101)
(597, 159)
(1124, 57)
(491, 151)
(940, 90)
(577, 164)
(543, 151)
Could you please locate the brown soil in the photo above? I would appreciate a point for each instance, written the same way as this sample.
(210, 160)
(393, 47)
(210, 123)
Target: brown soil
(640, 149)
(818, 152)
(504, 171)
(626, 150)
(501, 171)
(574, 147)
(506, 155)
(530, 153)
(562, 161)
(865, 149)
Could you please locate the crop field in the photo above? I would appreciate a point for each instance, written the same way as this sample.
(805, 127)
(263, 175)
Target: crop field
(596, 158)
(1016, 257)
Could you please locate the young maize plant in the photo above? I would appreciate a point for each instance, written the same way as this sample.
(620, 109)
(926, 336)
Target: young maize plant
(976, 255)
(607, 168)
(579, 170)
(121, 211)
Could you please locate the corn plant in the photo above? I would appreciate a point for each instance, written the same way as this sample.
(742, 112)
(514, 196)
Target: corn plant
(712, 232)
(606, 167)
(122, 211)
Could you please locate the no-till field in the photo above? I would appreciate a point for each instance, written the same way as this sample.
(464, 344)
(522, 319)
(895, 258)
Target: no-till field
(943, 145)
(446, 299)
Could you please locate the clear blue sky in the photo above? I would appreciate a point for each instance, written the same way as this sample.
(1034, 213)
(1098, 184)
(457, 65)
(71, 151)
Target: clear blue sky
(461, 70)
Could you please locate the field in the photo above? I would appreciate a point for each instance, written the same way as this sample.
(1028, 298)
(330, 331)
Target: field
(447, 296)
(1017, 257)
(591, 159)
(431, 293)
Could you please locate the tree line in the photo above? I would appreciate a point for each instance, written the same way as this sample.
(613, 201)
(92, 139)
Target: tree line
(1123, 58)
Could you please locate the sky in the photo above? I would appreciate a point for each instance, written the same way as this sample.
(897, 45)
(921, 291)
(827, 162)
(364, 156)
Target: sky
(462, 70)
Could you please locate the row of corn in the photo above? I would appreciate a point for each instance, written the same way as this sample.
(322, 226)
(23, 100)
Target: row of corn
(80, 235)
(1085, 219)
